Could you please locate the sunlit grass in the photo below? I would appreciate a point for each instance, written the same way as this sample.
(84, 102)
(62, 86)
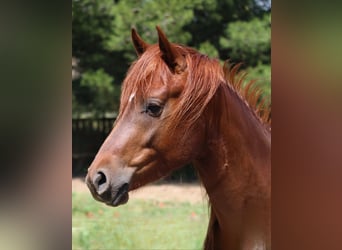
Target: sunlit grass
(137, 225)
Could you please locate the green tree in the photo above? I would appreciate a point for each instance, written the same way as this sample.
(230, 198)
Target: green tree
(248, 41)
(92, 23)
(211, 18)
(171, 16)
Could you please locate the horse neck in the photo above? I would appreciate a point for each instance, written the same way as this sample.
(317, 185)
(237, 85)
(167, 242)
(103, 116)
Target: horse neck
(235, 167)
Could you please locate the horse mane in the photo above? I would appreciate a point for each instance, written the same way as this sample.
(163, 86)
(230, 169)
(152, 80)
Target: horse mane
(205, 75)
(249, 91)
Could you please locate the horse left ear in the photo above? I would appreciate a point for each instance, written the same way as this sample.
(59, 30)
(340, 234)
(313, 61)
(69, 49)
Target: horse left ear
(139, 44)
(172, 57)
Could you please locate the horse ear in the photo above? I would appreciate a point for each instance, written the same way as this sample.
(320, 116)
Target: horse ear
(172, 57)
(139, 45)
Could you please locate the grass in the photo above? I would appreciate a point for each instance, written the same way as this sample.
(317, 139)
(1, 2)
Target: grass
(137, 225)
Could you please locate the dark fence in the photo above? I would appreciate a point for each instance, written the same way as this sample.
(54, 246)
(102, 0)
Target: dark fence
(87, 137)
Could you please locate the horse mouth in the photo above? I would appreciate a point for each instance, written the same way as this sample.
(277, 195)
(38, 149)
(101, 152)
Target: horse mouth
(121, 196)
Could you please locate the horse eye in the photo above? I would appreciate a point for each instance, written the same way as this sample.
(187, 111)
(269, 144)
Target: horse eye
(154, 109)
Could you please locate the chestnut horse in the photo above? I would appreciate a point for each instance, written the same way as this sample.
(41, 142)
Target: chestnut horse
(179, 107)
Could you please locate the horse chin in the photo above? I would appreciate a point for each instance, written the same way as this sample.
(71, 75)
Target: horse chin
(120, 201)
(121, 196)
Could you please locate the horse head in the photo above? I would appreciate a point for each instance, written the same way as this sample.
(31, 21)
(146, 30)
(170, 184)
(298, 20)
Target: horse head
(157, 129)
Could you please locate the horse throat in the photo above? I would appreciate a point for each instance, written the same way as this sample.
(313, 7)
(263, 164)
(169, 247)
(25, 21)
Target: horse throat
(235, 170)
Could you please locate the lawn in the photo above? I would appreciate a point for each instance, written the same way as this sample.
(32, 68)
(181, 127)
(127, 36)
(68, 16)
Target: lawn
(137, 225)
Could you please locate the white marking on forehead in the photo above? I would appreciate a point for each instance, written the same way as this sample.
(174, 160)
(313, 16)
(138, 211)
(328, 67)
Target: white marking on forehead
(131, 97)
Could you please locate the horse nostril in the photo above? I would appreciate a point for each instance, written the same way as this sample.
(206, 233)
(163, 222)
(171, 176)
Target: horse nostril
(100, 182)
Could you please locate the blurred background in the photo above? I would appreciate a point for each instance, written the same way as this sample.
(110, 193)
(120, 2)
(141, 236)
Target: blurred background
(173, 212)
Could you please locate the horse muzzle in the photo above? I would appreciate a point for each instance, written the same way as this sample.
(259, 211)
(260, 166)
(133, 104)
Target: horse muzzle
(109, 188)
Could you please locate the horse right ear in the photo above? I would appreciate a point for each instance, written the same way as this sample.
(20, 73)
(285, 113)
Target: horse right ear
(139, 45)
(173, 58)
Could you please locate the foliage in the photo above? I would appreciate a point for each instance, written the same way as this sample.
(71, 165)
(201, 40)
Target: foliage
(95, 92)
(208, 49)
(228, 29)
(248, 41)
(171, 16)
(92, 26)
(137, 225)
